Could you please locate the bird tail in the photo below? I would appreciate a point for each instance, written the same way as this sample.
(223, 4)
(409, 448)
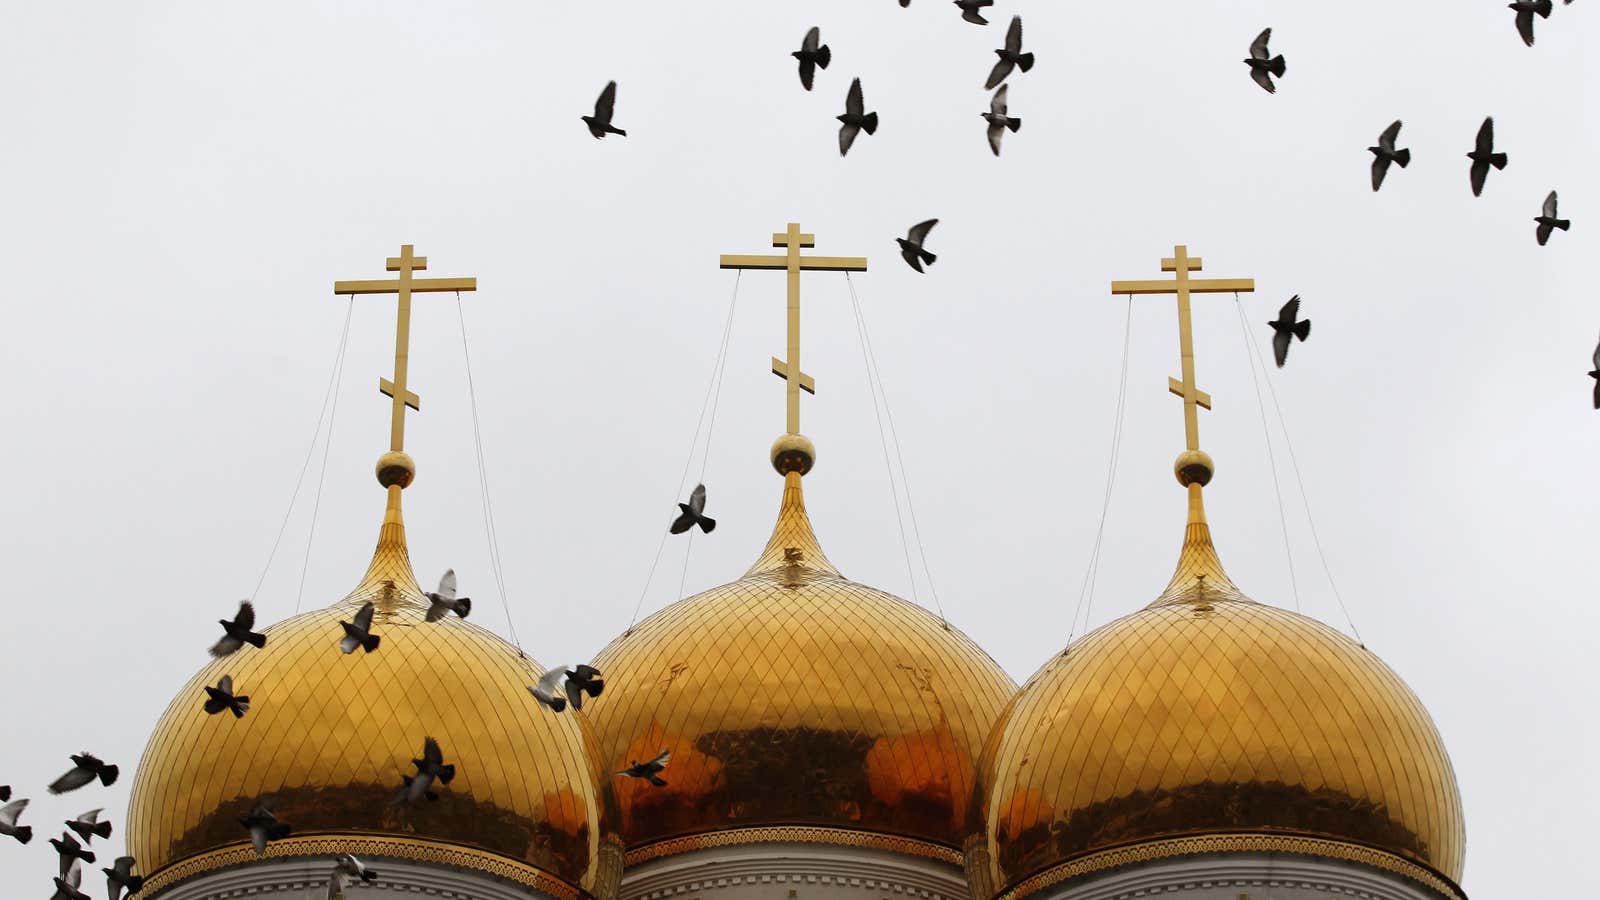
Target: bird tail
(463, 607)
(446, 774)
(1403, 157)
(658, 781)
(707, 524)
(1014, 124)
(594, 687)
(101, 830)
(108, 775)
(870, 123)
(1562, 224)
(927, 257)
(1025, 62)
(824, 56)
(1277, 66)
(612, 129)
(134, 884)
(256, 640)
(1499, 160)
(241, 705)
(1543, 8)
(369, 876)
(370, 643)
(1302, 330)
(24, 834)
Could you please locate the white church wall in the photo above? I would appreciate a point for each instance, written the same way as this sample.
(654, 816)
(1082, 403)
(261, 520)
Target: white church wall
(306, 878)
(793, 872)
(1242, 877)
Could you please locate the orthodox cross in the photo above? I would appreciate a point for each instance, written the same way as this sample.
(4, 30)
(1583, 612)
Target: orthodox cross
(405, 285)
(1182, 285)
(791, 261)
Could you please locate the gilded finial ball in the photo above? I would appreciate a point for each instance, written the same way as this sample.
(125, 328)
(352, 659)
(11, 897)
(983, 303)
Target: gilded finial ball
(396, 468)
(1194, 467)
(793, 453)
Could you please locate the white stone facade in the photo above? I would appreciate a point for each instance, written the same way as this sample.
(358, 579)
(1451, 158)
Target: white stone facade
(1249, 876)
(781, 871)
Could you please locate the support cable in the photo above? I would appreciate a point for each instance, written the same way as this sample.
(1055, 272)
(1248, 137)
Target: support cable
(316, 506)
(1266, 437)
(1091, 572)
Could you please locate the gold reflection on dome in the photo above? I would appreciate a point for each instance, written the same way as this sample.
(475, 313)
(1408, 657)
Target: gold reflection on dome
(794, 697)
(331, 735)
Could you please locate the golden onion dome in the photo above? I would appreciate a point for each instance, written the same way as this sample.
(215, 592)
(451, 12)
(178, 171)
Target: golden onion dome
(1208, 723)
(330, 735)
(798, 706)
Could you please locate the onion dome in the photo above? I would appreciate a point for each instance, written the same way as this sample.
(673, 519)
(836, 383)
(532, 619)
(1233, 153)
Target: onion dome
(1209, 723)
(330, 736)
(798, 706)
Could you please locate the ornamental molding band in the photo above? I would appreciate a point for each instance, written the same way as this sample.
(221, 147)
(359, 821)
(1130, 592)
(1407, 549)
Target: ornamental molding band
(374, 846)
(1233, 843)
(794, 834)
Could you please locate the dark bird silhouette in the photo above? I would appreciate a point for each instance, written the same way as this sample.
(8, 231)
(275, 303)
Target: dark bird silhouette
(549, 690)
(237, 633)
(8, 820)
(1525, 10)
(649, 771)
(583, 680)
(346, 868)
(88, 826)
(600, 123)
(222, 697)
(854, 120)
(359, 633)
(911, 245)
(812, 55)
(1547, 220)
(1593, 373)
(5, 792)
(264, 826)
(86, 767)
(1483, 156)
(1011, 56)
(998, 120)
(969, 10)
(68, 882)
(1385, 153)
(430, 768)
(1263, 66)
(120, 878)
(70, 851)
(1284, 327)
(444, 601)
(693, 513)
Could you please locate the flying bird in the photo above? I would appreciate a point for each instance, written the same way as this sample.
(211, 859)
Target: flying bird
(693, 513)
(549, 690)
(222, 697)
(1525, 10)
(264, 826)
(998, 120)
(88, 826)
(237, 633)
(600, 123)
(430, 768)
(86, 767)
(911, 245)
(969, 10)
(1593, 373)
(120, 878)
(345, 868)
(1011, 56)
(359, 633)
(1483, 156)
(1385, 153)
(583, 680)
(1284, 327)
(444, 601)
(68, 882)
(813, 55)
(5, 792)
(854, 120)
(1547, 220)
(24, 833)
(70, 852)
(648, 770)
(1262, 65)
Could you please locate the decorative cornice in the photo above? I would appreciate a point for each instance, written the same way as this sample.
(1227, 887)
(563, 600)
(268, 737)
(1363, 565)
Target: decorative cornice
(1233, 843)
(375, 846)
(793, 834)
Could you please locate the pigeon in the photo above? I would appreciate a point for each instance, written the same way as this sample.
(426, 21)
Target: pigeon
(969, 10)
(120, 878)
(911, 245)
(600, 123)
(70, 852)
(1385, 153)
(855, 121)
(264, 826)
(1011, 56)
(583, 680)
(693, 513)
(998, 120)
(68, 882)
(444, 601)
(812, 56)
(24, 833)
(86, 767)
(222, 697)
(1593, 373)
(1285, 326)
(359, 634)
(1483, 156)
(1525, 10)
(548, 690)
(430, 768)
(237, 633)
(88, 826)
(648, 770)
(1263, 67)
(1547, 220)
(345, 868)
(5, 792)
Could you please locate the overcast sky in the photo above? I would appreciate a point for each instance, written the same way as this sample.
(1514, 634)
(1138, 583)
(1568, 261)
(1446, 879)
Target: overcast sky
(181, 183)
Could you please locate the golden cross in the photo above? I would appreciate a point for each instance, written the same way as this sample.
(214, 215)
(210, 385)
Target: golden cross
(406, 263)
(1182, 285)
(791, 261)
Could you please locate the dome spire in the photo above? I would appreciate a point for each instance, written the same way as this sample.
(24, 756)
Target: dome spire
(1199, 575)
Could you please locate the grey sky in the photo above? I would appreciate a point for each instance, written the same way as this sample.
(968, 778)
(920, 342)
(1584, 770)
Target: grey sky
(183, 181)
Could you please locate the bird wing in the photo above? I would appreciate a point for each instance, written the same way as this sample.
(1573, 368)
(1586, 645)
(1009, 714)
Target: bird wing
(697, 499)
(1380, 168)
(997, 103)
(1485, 142)
(1550, 206)
(364, 616)
(1290, 311)
(1258, 47)
(1001, 69)
(1525, 25)
(996, 132)
(1595, 360)
(349, 643)
(574, 694)
(74, 875)
(431, 752)
(225, 646)
(847, 136)
(919, 231)
(604, 106)
(1479, 171)
(1280, 347)
(447, 584)
(662, 759)
(1543, 232)
(1390, 134)
(225, 684)
(74, 778)
(812, 40)
(258, 838)
(9, 812)
(550, 681)
(91, 817)
(1014, 35)
(246, 618)
(335, 884)
(808, 73)
(1260, 76)
(853, 104)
